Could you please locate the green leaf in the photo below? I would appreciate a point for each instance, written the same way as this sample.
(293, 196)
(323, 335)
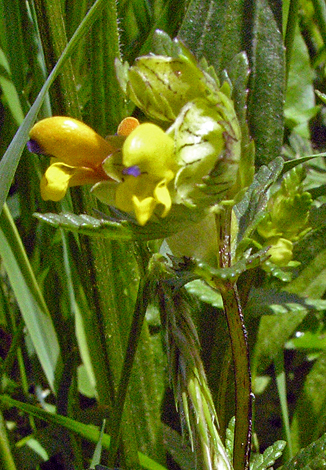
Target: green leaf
(201, 290)
(238, 72)
(267, 459)
(275, 302)
(88, 432)
(267, 81)
(181, 453)
(9, 91)
(310, 458)
(250, 210)
(229, 438)
(310, 275)
(255, 28)
(110, 229)
(298, 161)
(16, 22)
(300, 98)
(187, 270)
(208, 26)
(29, 297)
(309, 417)
(98, 449)
(308, 340)
(273, 332)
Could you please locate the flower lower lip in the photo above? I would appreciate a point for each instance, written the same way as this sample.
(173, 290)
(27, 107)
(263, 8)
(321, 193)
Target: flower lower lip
(132, 170)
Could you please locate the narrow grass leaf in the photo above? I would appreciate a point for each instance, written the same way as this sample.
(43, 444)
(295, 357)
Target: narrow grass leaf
(88, 432)
(9, 91)
(10, 160)
(29, 297)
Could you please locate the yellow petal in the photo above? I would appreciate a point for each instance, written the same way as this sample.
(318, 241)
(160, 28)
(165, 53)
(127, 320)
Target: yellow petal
(124, 194)
(58, 177)
(162, 196)
(70, 141)
(136, 194)
(151, 149)
(55, 182)
(141, 195)
(143, 209)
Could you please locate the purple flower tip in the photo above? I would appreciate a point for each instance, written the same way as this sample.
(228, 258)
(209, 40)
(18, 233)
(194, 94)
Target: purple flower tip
(33, 146)
(132, 170)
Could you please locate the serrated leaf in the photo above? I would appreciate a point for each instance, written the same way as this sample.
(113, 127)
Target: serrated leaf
(312, 457)
(123, 230)
(189, 270)
(229, 438)
(238, 72)
(207, 29)
(275, 302)
(205, 293)
(272, 453)
(250, 210)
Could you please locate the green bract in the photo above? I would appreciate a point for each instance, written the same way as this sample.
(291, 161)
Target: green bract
(207, 146)
(286, 219)
(288, 209)
(160, 86)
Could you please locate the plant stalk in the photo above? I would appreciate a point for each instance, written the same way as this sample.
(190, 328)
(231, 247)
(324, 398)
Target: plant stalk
(239, 346)
(5, 452)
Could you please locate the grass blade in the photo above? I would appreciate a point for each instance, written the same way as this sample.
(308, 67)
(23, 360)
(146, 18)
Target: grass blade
(11, 157)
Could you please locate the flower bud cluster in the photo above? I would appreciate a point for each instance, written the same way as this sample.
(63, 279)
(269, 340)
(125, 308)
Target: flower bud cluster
(287, 217)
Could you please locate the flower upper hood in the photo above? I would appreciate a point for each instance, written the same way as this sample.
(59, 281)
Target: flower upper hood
(77, 151)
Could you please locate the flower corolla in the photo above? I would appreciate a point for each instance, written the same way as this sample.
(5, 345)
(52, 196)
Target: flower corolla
(77, 153)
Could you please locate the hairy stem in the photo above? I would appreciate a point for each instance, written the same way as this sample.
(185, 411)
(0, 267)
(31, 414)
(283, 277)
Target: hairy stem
(239, 345)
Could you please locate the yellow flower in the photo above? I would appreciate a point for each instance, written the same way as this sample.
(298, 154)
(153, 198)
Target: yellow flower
(281, 250)
(140, 173)
(77, 151)
(147, 167)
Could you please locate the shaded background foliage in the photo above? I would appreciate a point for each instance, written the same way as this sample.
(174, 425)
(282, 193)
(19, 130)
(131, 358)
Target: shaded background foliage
(76, 294)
